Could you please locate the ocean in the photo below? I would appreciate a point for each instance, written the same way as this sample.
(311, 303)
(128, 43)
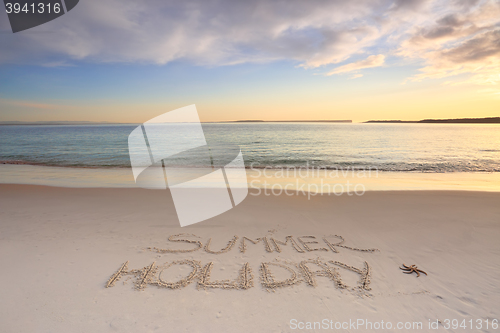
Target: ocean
(427, 148)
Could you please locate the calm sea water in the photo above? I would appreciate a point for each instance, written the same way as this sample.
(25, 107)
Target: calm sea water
(388, 147)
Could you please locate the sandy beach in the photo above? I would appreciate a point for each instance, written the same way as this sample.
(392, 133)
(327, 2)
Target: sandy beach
(60, 247)
(250, 166)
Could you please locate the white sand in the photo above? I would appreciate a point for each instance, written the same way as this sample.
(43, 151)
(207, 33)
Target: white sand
(59, 247)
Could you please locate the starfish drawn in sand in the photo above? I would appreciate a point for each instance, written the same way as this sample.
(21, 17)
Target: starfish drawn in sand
(412, 269)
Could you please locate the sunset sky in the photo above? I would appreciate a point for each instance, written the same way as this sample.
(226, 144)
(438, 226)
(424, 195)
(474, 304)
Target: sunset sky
(128, 61)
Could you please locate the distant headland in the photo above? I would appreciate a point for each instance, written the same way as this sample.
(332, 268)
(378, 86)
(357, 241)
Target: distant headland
(35, 123)
(491, 120)
(291, 121)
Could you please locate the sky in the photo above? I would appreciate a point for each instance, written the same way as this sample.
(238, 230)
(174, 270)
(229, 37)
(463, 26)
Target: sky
(129, 61)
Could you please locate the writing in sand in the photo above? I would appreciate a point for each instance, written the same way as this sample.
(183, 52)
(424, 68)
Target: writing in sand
(304, 271)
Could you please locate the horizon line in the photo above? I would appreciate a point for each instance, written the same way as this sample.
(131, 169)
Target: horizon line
(80, 122)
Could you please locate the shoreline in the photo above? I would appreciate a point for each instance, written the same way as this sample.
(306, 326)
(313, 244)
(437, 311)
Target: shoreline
(258, 167)
(320, 181)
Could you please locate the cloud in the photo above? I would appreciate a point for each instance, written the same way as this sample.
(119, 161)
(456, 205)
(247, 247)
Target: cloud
(59, 63)
(411, 5)
(476, 49)
(458, 43)
(371, 61)
(204, 32)
(444, 37)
